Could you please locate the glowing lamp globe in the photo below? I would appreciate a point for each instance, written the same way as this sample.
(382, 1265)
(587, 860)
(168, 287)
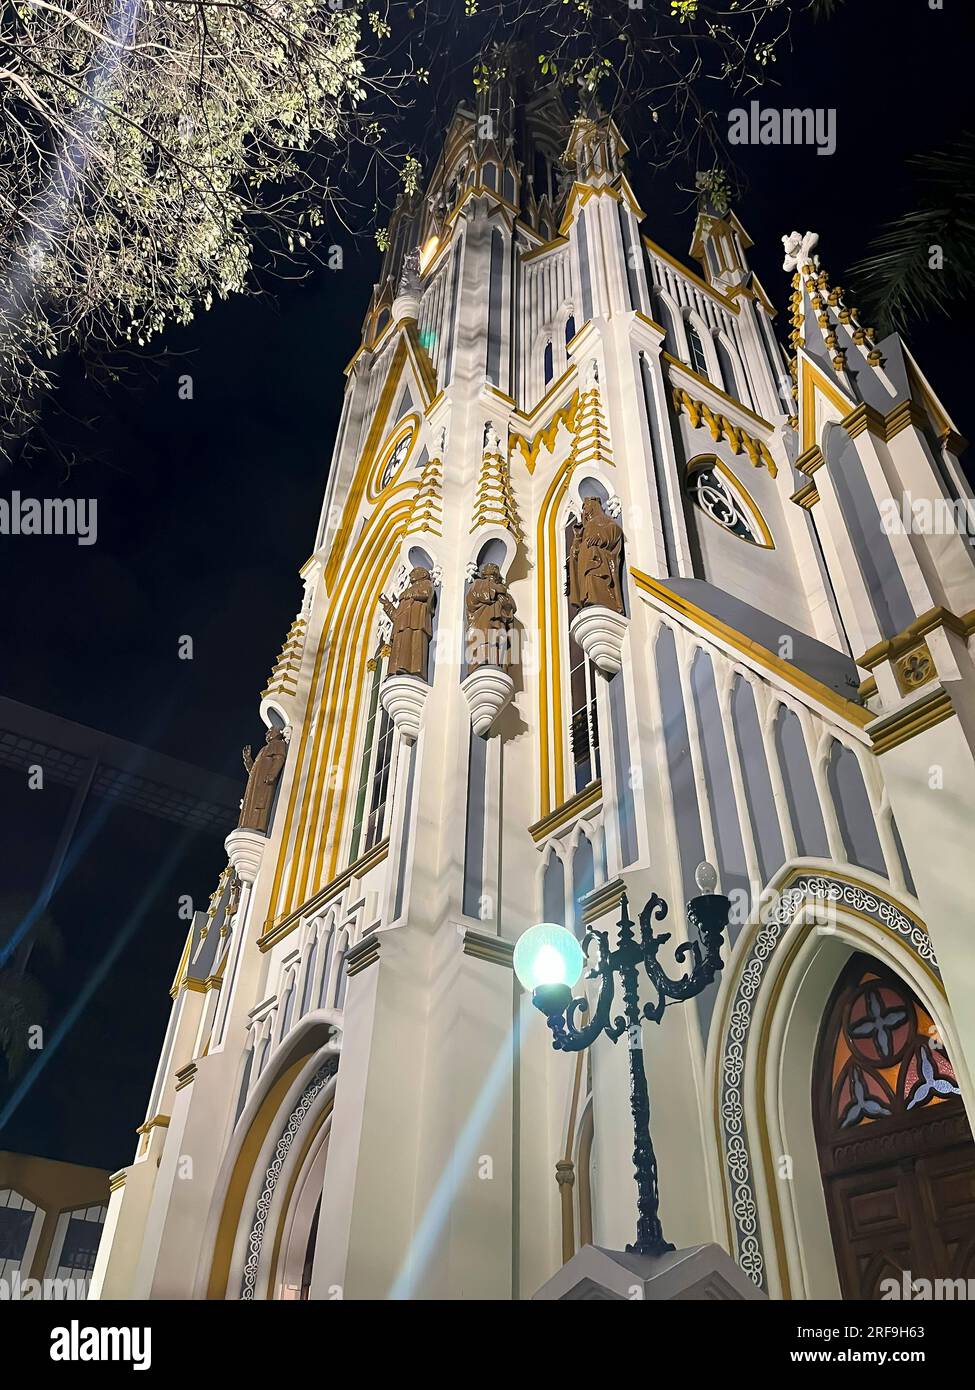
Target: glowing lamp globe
(548, 955)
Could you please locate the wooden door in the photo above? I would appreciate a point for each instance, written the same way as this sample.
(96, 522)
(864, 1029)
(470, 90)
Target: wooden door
(895, 1148)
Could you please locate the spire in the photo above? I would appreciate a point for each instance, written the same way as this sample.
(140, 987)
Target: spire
(822, 322)
(719, 242)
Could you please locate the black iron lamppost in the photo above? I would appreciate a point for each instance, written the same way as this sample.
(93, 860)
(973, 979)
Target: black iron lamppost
(549, 960)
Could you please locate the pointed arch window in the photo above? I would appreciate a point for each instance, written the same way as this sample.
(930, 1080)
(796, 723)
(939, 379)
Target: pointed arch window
(720, 496)
(549, 362)
(583, 720)
(373, 785)
(887, 1057)
(695, 349)
(570, 329)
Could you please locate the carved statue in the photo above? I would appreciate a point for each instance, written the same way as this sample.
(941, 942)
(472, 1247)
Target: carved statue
(798, 250)
(490, 613)
(262, 773)
(412, 619)
(410, 281)
(594, 560)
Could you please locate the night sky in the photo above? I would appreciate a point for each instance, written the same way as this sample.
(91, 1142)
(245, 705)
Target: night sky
(208, 507)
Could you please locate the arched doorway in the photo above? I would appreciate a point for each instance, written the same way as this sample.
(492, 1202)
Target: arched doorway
(895, 1149)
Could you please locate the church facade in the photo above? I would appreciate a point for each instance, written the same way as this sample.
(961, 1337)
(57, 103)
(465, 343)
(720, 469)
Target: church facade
(606, 584)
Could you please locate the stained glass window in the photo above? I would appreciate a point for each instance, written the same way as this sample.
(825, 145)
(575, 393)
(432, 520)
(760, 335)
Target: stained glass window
(888, 1058)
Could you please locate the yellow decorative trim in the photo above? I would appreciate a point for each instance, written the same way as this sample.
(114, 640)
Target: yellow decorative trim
(650, 323)
(376, 433)
(868, 688)
(810, 460)
(277, 931)
(807, 496)
(864, 417)
(914, 669)
(894, 729)
(901, 642)
(186, 1076)
(696, 378)
(606, 898)
(426, 514)
(782, 670)
(691, 275)
(790, 947)
(408, 427)
(494, 502)
(546, 435)
(536, 251)
(493, 949)
(117, 1180)
(589, 796)
(811, 380)
(157, 1122)
(722, 428)
(332, 711)
(247, 1156)
(711, 460)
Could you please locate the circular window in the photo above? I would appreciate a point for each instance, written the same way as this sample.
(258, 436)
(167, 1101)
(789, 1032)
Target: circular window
(395, 453)
(720, 497)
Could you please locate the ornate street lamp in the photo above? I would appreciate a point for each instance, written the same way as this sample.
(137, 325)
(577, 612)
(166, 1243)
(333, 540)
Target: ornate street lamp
(548, 960)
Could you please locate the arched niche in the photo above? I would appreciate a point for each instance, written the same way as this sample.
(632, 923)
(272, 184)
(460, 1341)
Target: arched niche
(774, 991)
(287, 1104)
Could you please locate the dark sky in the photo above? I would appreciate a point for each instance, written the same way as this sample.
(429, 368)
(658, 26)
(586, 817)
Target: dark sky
(207, 508)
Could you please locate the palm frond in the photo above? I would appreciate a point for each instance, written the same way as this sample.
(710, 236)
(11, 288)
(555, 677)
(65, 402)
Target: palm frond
(23, 1005)
(923, 264)
(824, 9)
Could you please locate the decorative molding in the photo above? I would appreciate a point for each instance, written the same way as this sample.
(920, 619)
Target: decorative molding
(600, 632)
(891, 730)
(807, 496)
(774, 665)
(568, 810)
(927, 622)
(488, 690)
(810, 460)
(363, 954)
(821, 886)
(598, 901)
(273, 933)
(722, 428)
(245, 850)
(185, 1076)
(403, 699)
(529, 448)
(493, 949)
(258, 1230)
(914, 668)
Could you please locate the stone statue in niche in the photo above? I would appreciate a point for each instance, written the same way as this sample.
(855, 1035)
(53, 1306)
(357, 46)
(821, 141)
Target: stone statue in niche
(593, 567)
(490, 614)
(412, 618)
(262, 774)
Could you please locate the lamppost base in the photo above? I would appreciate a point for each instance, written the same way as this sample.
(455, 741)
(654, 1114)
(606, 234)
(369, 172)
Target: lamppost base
(651, 1249)
(703, 1272)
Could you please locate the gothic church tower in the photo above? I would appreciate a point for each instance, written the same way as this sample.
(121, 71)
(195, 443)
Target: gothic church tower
(752, 664)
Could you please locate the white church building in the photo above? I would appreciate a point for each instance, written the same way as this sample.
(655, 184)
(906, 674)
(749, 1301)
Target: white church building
(355, 1097)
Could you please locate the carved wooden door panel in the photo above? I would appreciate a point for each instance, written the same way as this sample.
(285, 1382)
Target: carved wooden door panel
(895, 1148)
